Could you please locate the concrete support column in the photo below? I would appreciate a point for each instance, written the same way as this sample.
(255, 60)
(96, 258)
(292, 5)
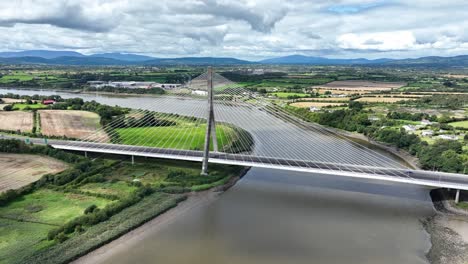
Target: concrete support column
(457, 197)
(210, 125)
(86, 154)
(133, 160)
(213, 133)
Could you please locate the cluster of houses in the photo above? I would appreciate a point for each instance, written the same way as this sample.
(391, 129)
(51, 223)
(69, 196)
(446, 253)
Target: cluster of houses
(134, 85)
(429, 132)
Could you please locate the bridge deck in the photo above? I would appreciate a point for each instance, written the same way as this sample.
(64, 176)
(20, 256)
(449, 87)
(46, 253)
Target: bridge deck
(418, 177)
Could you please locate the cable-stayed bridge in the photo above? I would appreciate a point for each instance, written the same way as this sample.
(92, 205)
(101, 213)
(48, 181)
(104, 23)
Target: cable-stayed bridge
(215, 120)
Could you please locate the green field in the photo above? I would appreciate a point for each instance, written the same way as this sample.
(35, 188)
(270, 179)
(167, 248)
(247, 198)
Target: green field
(187, 135)
(284, 95)
(50, 207)
(16, 77)
(463, 124)
(21, 238)
(25, 222)
(119, 189)
(31, 106)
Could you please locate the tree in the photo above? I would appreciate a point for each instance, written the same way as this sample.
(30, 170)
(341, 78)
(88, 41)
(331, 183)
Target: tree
(450, 161)
(7, 108)
(355, 105)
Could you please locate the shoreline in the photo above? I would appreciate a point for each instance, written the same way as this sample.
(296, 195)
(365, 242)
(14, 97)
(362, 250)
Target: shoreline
(447, 231)
(403, 155)
(194, 200)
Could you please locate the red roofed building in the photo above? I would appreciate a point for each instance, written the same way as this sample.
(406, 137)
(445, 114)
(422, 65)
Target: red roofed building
(48, 102)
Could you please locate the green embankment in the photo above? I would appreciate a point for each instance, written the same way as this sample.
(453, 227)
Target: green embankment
(50, 207)
(66, 215)
(104, 232)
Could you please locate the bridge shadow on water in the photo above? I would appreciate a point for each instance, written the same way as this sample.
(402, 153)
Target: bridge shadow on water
(333, 190)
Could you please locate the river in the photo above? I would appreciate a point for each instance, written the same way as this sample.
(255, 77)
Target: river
(287, 217)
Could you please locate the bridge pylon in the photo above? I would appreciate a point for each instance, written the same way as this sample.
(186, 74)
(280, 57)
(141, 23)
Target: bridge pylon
(211, 125)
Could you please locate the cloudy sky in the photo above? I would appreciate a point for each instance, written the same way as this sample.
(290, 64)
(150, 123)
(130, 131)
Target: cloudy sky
(247, 29)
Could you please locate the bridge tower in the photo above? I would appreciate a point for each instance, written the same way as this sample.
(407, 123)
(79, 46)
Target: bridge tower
(211, 126)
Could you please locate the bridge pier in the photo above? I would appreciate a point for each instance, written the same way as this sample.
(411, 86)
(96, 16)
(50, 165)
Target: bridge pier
(86, 154)
(210, 128)
(133, 160)
(457, 197)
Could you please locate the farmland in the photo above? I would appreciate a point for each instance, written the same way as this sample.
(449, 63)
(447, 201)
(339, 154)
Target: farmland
(92, 203)
(17, 106)
(16, 121)
(315, 104)
(358, 85)
(382, 99)
(69, 123)
(463, 124)
(175, 137)
(25, 223)
(50, 207)
(327, 99)
(21, 169)
(284, 95)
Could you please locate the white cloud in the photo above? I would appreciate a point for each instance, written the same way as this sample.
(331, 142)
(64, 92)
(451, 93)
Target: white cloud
(381, 41)
(248, 29)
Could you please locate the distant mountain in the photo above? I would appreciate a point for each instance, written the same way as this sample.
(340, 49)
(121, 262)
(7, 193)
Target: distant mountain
(46, 54)
(123, 56)
(63, 61)
(300, 59)
(96, 61)
(75, 58)
(461, 60)
(198, 61)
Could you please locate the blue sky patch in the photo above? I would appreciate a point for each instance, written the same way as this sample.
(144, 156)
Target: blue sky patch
(356, 8)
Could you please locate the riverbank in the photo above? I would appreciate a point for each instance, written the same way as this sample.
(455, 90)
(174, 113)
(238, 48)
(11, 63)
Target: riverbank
(448, 229)
(401, 154)
(132, 238)
(83, 91)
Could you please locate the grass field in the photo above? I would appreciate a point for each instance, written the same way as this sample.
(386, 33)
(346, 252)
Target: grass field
(185, 135)
(50, 207)
(358, 85)
(327, 99)
(31, 106)
(17, 238)
(119, 189)
(19, 170)
(283, 95)
(463, 124)
(347, 92)
(17, 120)
(316, 104)
(69, 123)
(383, 99)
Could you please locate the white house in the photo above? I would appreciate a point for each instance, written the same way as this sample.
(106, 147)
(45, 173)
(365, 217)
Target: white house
(426, 122)
(409, 128)
(448, 137)
(314, 109)
(427, 133)
(199, 92)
